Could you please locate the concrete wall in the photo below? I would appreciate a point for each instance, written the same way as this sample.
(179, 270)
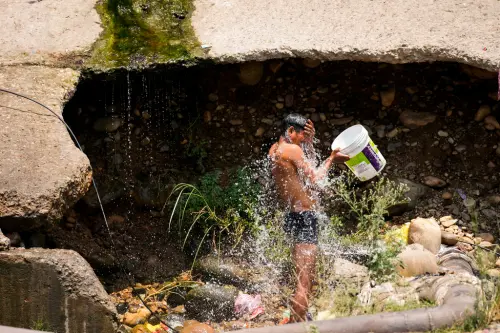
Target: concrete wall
(53, 289)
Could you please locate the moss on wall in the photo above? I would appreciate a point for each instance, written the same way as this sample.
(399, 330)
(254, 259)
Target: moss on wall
(141, 32)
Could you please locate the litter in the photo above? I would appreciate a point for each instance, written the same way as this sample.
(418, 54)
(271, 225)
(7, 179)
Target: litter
(248, 304)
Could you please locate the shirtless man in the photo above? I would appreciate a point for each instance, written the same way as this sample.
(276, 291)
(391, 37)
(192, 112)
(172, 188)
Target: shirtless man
(292, 172)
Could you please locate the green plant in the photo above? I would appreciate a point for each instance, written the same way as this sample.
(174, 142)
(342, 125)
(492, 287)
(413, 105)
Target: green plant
(40, 325)
(215, 209)
(383, 261)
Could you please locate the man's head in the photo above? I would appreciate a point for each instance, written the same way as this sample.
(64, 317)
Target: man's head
(294, 128)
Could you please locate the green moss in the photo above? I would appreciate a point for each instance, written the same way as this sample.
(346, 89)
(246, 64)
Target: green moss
(141, 32)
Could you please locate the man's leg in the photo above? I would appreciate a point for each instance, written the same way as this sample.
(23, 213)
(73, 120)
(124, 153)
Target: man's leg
(304, 257)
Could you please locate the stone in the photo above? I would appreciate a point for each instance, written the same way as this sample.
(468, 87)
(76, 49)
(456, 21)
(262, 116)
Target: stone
(448, 238)
(146, 141)
(416, 260)
(349, 272)
(413, 119)
(487, 237)
(279, 106)
(434, 182)
(43, 173)
(224, 270)
(486, 245)
(211, 302)
(425, 232)
(387, 96)
(176, 321)
(207, 116)
(260, 131)
(482, 112)
(447, 198)
(443, 134)
(107, 124)
(491, 120)
(236, 122)
(493, 272)
(311, 63)
(341, 121)
(289, 101)
(414, 194)
(110, 191)
(477, 73)
(447, 221)
(196, 327)
(66, 292)
(466, 240)
(136, 318)
(213, 97)
(4, 242)
(251, 72)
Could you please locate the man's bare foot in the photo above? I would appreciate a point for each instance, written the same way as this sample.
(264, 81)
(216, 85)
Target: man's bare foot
(299, 307)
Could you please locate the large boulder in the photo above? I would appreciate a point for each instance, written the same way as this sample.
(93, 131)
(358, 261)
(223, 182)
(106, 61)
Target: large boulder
(55, 287)
(414, 193)
(425, 232)
(42, 172)
(416, 260)
(211, 302)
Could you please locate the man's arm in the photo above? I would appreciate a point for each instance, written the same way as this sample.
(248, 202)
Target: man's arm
(297, 157)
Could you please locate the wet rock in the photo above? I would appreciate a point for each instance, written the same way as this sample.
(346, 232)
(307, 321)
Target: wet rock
(434, 182)
(387, 96)
(211, 302)
(121, 308)
(482, 112)
(492, 121)
(416, 119)
(176, 321)
(311, 63)
(137, 318)
(447, 221)
(251, 72)
(341, 121)
(176, 297)
(425, 232)
(107, 124)
(487, 237)
(4, 242)
(414, 194)
(448, 238)
(416, 260)
(196, 327)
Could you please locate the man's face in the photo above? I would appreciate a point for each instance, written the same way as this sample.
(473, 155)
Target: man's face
(296, 137)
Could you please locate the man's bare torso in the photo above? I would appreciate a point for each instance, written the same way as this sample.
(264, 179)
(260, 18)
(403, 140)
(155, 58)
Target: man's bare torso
(291, 187)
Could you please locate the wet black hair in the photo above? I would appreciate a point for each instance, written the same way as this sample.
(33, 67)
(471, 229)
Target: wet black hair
(297, 121)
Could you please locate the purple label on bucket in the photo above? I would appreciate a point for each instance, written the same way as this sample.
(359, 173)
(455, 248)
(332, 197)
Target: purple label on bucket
(372, 156)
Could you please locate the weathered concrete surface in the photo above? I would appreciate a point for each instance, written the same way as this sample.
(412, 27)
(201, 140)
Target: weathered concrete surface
(51, 32)
(56, 288)
(41, 170)
(396, 31)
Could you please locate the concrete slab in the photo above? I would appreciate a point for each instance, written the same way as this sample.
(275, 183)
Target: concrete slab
(51, 32)
(396, 31)
(41, 170)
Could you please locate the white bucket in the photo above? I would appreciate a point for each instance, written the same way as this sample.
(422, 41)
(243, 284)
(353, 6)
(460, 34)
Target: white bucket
(365, 161)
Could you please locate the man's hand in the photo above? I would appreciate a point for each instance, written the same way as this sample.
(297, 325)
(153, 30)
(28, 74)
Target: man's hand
(309, 130)
(338, 157)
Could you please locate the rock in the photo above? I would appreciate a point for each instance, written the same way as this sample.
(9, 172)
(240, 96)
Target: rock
(197, 328)
(260, 131)
(442, 134)
(236, 122)
(466, 240)
(447, 198)
(416, 260)
(61, 287)
(4, 242)
(425, 232)
(487, 237)
(279, 106)
(416, 119)
(207, 116)
(478, 73)
(434, 182)
(497, 263)
(251, 72)
(289, 101)
(392, 133)
(109, 190)
(107, 124)
(491, 120)
(176, 297)
(146, 141)
(486, 245)
(447, 221)
(493, 272)
(341, 121)
(349, 273)
(211, 302)
(311, 63)
(213, 97)
(387, 96)
(493, 199)
(137, 318)
(175, 321)
(482, 112)
(414, 194)
(448, 238)
(224, 270)
(42, 172)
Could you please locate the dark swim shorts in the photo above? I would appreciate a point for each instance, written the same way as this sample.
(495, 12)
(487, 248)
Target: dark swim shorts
(302, 226)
